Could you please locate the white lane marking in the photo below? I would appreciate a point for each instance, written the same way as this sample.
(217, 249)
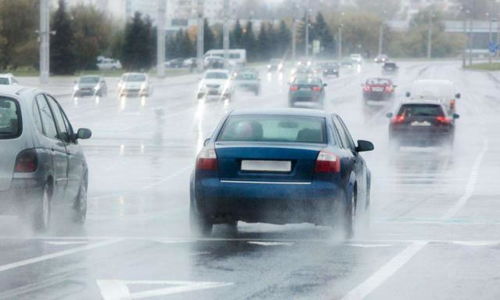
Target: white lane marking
(173, 175)
(386, 271)
(476, 243)
(37, 259)
(471, 184)
(118, 289)
(64, 243)
(270, 243)
(370, 245)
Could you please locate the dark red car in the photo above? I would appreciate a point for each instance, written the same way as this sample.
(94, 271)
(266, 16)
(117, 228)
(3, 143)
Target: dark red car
(378, 89)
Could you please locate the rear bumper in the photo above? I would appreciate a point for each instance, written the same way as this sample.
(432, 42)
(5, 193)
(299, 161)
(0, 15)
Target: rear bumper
(377, 96)
(271, 202)
(426, 138)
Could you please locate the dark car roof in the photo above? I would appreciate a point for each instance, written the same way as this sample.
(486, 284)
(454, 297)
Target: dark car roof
(282, 111)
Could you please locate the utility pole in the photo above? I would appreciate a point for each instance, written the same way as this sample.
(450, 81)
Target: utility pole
(44, 33)
(307, 30)
(160, 38)
(470, 40)
(429, 37)
(294, 38)
(339, 50)
(380, 38)
(464, 52)
(225, 40)
(199, 38)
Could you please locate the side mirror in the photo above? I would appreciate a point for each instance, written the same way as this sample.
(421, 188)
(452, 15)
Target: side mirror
(408, 94)
(458, 95)
(456, 116)
(364, 146)
(325, 84)
(389, 115)
(83, 134)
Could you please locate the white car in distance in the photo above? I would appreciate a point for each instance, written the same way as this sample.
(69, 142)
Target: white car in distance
(8, 79)
(216, 84)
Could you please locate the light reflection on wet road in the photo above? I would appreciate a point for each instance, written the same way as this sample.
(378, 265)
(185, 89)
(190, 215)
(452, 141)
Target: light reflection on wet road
(433, 230)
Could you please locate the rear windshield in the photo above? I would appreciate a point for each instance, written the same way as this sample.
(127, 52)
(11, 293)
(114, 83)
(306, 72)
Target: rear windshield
(10, 118)
(307, 80)
(274, 128)
(246, 76)
(89, 79)
(135, 77)
(420, 110)
(216, 75)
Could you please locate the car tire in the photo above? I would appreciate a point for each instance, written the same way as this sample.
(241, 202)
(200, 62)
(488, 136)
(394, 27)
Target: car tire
(200, 224)
(80, 206)
(42, 212)
(343, 214)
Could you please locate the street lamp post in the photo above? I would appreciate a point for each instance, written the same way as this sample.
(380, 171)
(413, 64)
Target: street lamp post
(44, 41)
(160, 39)
(307, 32)
(199, 37)
(225, 40)
(464, 27)
(339, 50)
(429, 37)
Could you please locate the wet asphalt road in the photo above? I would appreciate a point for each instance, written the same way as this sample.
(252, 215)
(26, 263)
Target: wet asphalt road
(433, 232)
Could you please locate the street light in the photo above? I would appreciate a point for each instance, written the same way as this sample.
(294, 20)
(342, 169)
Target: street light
(199, 38)
(429, 36)
(381, 34)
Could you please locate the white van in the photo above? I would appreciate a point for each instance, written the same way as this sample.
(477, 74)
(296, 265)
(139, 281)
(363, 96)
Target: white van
(237, 57)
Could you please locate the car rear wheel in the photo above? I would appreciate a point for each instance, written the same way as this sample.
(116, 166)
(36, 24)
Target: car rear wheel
(42, 213)
(200, 224)
(344, 212)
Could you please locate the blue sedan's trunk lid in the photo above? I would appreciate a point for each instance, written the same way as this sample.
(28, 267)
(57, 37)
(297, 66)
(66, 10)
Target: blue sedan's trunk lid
(301, 158)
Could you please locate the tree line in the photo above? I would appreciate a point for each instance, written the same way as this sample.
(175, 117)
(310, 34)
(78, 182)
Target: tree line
(81, 33)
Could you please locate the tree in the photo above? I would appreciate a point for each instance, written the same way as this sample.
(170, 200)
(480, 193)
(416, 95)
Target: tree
(321, 32)
(62, 54)
(283, 39)
(385, 9)
(138, 44)
(92, 35)
(19, 22)
(237, 35)
(263, 43)
(208, 37)
(248, 41)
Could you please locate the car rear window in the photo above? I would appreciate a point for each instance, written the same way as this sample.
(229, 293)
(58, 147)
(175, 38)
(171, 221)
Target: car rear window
(274, 128)
(10, 118)
(135, 77)
(307, 81)
(379, 81)
(421, 110)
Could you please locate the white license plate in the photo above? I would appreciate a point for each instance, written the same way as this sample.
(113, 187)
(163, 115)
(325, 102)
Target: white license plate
(305, 89)
(266, 165)
(377, 89)
(424, 123)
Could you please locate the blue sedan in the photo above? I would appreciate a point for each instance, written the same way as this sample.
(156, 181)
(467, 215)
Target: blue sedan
(279, 166)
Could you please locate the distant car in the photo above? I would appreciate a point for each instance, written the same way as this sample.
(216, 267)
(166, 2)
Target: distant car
(190, 62)
(8, 79)
(280, 166)
(347, 63)
(275, 65)
(248, 79)
(329, 69)
(381, 58)
(441, 90)
(43, 172)
(378, 89)
(216, 83)
(357, 58)
(175, 63)
(421, 123)
(106, 64)
(135, 84)
(390, 68)
(91, 85)
(214, 62)
(306, 89)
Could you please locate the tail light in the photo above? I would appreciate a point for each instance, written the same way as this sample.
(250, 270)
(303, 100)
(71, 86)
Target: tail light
(26, 161)
(207, 160)
(366, 88)
(443, 120)
(327, 162)
(316, 88)
(398, 119)
(388, 89)
(294, 88)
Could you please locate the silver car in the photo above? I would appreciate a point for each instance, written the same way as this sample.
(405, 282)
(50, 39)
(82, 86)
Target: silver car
(135, 84)
(43, 172)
